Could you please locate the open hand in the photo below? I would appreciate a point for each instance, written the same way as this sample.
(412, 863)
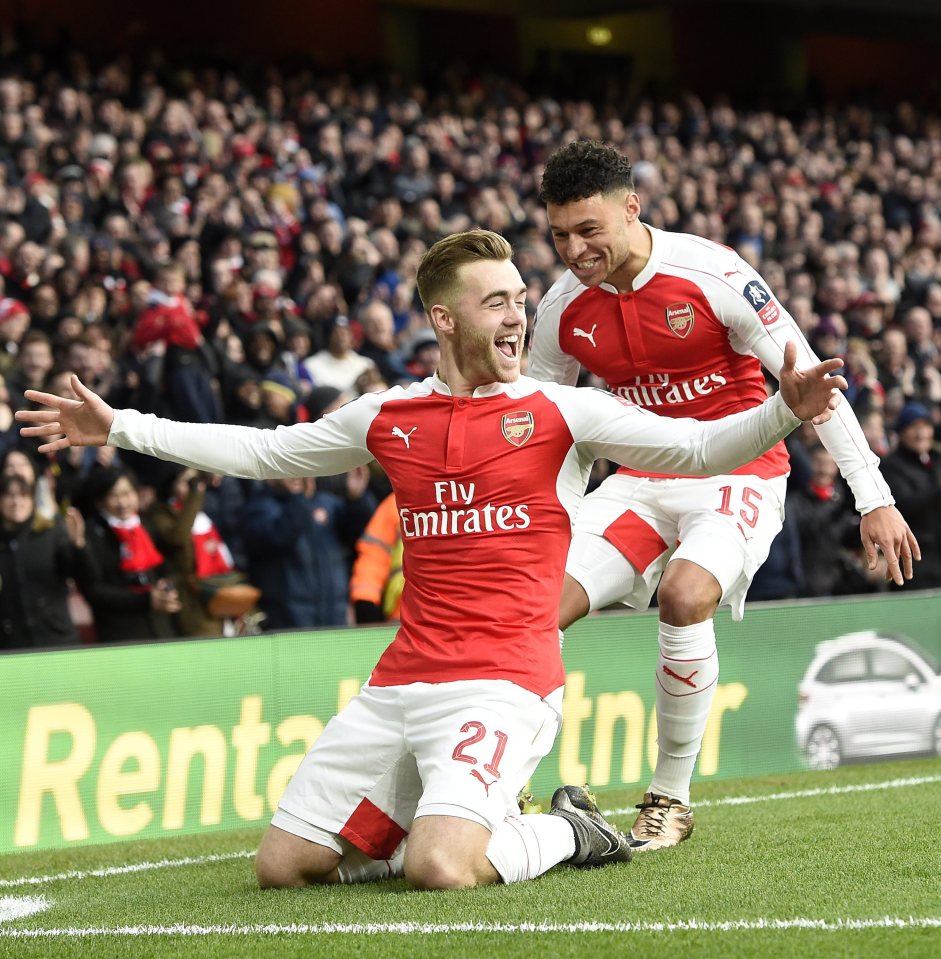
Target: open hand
(811, 394)
(85, 421)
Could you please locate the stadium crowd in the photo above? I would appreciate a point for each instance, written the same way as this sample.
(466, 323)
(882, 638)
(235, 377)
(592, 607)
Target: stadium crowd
(208, 249)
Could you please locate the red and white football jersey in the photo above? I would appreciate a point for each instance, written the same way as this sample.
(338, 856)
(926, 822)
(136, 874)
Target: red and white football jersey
(486, 487)
(687, 341)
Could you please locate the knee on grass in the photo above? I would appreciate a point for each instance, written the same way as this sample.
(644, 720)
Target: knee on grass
(438, 868)
(287, 862)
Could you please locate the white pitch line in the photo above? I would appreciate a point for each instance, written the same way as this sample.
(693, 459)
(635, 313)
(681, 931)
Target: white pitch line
(430, 929)
(124, 870)
(249, 853)
(801, 794)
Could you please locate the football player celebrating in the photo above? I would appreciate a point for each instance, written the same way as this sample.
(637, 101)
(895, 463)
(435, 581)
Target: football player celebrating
(680, 326)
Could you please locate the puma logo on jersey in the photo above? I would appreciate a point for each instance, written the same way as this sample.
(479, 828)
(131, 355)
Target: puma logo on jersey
(405, 437)
(590, 335)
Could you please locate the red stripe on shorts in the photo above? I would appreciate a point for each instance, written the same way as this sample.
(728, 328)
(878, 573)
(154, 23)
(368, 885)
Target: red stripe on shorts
(636, 539)
(372, 831)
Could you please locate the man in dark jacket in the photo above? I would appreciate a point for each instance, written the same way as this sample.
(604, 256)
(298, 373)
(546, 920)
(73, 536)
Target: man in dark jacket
(298, 541)
(914, 473)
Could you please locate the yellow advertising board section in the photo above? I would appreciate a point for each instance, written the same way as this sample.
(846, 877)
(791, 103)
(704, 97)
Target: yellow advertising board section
(109, 743)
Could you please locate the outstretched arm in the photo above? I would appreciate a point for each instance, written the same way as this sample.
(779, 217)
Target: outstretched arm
(333, 444)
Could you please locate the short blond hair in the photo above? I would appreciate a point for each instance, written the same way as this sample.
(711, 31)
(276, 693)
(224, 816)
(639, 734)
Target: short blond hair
(437, 278)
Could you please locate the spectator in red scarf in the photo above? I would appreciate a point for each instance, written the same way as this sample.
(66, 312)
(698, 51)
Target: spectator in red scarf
(131, 595)
(197, 555)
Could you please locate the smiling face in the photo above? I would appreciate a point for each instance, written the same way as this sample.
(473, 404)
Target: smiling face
(483, 327)
(600, 238)
(122, 500)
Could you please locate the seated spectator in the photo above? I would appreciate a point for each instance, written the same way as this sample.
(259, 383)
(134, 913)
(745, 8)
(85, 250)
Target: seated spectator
(296, 537)
(914, 473)
(38, 556)
(131, 594)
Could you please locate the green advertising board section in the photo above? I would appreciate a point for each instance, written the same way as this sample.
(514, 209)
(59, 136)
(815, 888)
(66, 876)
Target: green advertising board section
(103, 744)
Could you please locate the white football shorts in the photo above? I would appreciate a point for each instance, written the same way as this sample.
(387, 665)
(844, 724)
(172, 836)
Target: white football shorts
(395, 753)
(630, 527)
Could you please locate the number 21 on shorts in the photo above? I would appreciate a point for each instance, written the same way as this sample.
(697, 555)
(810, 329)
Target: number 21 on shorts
(478, 733)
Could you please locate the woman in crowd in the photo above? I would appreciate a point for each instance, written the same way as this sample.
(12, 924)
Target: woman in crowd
(38, 557)
(131, 596)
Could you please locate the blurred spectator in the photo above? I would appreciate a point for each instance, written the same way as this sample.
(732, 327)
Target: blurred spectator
(38, 556)
(37, 473)
(296, 538)
(14, 322)
(32, 367)
(339, 364)
(9, 431)
(199, 559)
(828, 527)
(379, 344)
(377, 578)
(169, 324)
(131, 594)
(914, 473)
(424, 354)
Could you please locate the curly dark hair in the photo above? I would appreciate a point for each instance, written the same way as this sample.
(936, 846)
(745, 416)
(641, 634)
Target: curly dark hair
(582, 169)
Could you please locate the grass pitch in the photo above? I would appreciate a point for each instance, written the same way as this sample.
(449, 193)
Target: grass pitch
(839, 864)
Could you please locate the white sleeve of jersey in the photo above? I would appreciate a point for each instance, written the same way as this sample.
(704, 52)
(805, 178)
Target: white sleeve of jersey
(841, 435)
(608, 428)
(547, 360)
(333, 444)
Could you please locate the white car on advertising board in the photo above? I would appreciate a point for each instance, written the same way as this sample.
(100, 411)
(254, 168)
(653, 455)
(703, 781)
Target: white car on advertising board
(866, 695)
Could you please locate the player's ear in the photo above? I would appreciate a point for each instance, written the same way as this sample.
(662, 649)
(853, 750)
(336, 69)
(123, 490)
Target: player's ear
(632, 207)
(441, 317)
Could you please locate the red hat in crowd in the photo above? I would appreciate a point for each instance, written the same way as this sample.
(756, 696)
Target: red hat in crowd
(10, 308)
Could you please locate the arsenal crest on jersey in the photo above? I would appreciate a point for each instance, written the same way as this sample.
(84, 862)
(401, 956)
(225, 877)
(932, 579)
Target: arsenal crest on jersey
(680, 318)
(518, 427)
